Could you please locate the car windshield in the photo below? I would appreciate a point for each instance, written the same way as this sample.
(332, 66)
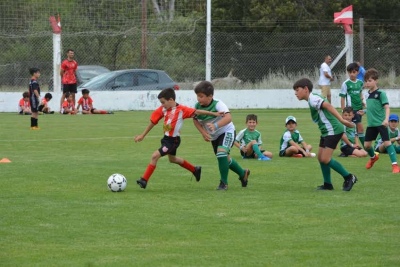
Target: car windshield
(98, 80)
(88, 74)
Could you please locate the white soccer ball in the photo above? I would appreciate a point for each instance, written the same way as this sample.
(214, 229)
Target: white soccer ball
(116, 182)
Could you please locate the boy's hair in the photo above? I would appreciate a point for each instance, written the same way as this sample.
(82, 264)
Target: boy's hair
(33, 70)
(85, 91)
(353, 66)
(371, 74)
(167, 93)
(348, 110)
(25, 94)
(48, 95)
(251, 117)
(304, 82)
(204, 87)
(70, 50)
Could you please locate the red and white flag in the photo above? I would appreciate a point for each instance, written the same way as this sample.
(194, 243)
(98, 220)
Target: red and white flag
(345, 16)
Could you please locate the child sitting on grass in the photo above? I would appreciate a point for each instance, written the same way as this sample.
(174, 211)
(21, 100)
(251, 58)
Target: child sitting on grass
(68, 106)
(350, 145)
(249, 141)
(87, 104)
(394, 135)
(24, 107)
(44, 107)
(292, 143)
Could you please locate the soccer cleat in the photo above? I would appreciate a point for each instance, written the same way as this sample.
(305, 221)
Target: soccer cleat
(245, 178)
(342, 155)
(264, 158)
(395, 168)
(325, 186)
(35, 128)
(110, 112)
(371, 161)
(197, 173)
(222, 186)
(349, 182)
(142, 183)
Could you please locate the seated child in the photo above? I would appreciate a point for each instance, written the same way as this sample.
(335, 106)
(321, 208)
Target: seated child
(249, 141)
(24, 106)
(43, 106)
(394, 135)
(292, 143)
(350, 145)
(87, 104)
(68, 106)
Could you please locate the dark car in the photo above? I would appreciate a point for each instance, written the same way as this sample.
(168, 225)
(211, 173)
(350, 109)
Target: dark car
(85, 73)
(130, 80)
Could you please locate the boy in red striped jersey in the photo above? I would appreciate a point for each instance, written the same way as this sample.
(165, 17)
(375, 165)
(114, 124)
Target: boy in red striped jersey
(173, 114)
(87, 104)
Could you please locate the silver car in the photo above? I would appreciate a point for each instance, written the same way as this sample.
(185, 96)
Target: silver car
(130, 80)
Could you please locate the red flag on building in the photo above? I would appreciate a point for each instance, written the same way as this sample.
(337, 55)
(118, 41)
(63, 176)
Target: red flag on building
(55, 24)
(345, 16)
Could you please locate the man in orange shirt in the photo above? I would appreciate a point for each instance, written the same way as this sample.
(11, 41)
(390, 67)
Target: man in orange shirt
(68, 76)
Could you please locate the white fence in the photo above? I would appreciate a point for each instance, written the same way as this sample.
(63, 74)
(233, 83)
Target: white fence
(147, 100)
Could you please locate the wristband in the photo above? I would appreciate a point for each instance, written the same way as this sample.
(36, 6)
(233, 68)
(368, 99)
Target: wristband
(307, 150)
(216, 126)
(352, 145)
(365, 111)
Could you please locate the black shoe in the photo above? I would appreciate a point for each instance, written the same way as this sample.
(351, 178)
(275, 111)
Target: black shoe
(51, 112)
(349, 182)
(222, 186)
(342, 155)
(142, 183)
(110, 112)
(197, 173)
(325, 186)
(245, 178)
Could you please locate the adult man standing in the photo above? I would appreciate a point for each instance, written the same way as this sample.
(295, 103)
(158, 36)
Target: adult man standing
(68, 77)
(325, 78)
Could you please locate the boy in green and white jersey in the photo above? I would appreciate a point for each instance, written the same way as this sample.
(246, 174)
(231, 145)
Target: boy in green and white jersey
(330, 124)
(351, 96)
(220, 131)
(292, 143)
(394, 135)
(350, 143)
(249, 141)
(378, 119)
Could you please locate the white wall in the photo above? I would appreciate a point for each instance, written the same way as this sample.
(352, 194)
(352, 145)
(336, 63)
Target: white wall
(147, 100)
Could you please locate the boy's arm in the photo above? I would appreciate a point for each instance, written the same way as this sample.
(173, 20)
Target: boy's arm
(206, 112)
(334, 112)
(293, 143)
(342, 103)
(140, 137)
(346, 140)
(203, 132)
(226, 119)
(387, 110)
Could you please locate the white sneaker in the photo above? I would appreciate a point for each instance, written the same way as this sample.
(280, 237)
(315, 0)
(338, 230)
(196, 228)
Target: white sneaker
(313, 155)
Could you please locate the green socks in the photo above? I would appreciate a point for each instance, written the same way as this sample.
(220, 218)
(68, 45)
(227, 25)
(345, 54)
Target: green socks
(223, 165)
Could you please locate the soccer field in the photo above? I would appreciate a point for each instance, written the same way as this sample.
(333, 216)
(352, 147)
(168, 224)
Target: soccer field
(56, 209)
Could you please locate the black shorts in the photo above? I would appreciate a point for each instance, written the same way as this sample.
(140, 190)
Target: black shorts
(357, 117)
(70, 88)
(40, 108)
(169, 145)
(225, 140)
(372, 132)
(34, 104)
(330, 141)
(252, 156)
(347, 150)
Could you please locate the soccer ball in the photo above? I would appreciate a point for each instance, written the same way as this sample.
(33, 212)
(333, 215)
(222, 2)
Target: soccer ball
(116, 182)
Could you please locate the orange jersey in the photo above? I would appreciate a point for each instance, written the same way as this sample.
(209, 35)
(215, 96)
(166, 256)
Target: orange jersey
(69, 68)
(23, 104)
(173, 118)
(68, 105)
(85, 103)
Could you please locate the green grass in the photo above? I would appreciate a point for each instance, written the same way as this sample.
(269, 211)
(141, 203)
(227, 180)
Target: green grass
(57, 211)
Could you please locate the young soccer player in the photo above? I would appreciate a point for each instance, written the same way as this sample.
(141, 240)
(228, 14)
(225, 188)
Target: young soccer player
(330, 124)
(378, 111)
(249, 141)
(349, 144)
(351, 96)
(44, 107)
(394, 135)
(68, 106)
(292, 143)
(87, 104)
(173, 114)
(24, 107)
(220, 131)
(34, 97)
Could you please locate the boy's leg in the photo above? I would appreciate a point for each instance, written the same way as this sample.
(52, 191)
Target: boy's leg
(223, 164)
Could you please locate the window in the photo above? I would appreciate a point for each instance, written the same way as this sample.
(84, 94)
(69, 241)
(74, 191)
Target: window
(147, 78)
